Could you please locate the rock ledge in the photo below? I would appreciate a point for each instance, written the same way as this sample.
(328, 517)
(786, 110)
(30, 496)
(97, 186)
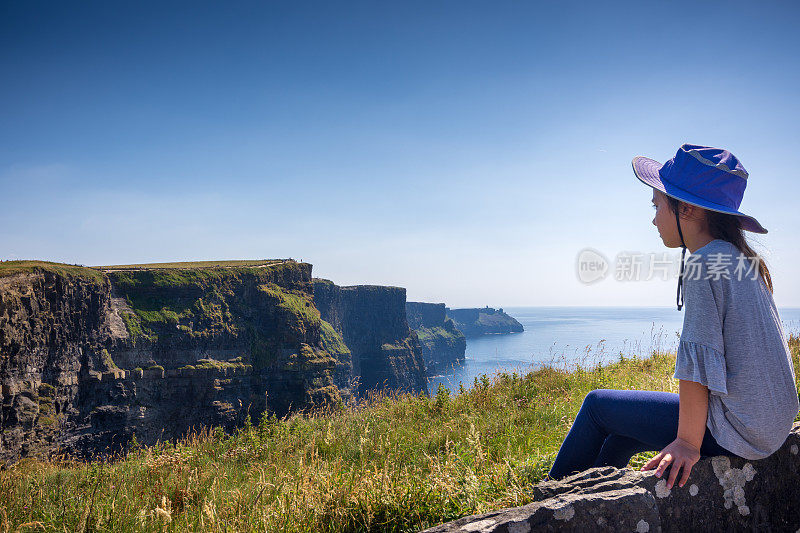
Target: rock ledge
(722, 494)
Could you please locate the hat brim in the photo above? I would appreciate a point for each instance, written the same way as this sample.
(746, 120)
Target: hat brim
(646, 170)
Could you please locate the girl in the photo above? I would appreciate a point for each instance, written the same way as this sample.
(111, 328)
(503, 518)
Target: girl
(737, 393)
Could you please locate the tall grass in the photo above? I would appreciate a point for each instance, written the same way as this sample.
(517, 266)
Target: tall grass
(387, 463)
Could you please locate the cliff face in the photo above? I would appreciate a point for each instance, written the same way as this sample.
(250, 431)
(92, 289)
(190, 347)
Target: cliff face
(443, 345)
(372, 322)
(483, 321)
(88, 358)
(54, 326)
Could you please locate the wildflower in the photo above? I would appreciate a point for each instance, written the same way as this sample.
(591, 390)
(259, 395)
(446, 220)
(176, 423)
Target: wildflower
(474, 440)
(164, 510)
(209, 510)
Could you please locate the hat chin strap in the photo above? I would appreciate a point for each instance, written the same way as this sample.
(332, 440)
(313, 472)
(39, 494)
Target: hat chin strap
(683, 254)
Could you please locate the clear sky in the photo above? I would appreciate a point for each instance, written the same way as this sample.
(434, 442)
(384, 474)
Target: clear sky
(467, 151)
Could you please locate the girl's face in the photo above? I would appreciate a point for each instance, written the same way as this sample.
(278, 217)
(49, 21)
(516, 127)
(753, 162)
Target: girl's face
(665, 220)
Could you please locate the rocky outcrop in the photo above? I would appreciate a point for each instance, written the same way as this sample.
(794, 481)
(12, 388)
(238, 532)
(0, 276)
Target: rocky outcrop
(156, 404)
(371, 319)
(90, 358)
(443, 345)
(483, 321)
(722, 494)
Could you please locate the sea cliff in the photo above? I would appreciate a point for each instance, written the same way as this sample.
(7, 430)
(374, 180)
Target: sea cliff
(372, 321)
(443, 345)
(90, 357)
(473, 322)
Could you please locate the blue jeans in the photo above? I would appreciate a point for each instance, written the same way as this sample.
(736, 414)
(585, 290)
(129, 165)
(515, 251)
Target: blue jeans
(614, 425)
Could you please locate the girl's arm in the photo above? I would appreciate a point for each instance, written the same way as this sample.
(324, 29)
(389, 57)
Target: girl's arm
(693, 412)
(684, 451)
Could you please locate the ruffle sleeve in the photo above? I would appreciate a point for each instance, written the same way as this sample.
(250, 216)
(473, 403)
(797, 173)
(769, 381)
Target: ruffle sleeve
(702, 364)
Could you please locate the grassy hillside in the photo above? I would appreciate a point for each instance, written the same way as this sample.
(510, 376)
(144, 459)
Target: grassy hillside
(392, 463)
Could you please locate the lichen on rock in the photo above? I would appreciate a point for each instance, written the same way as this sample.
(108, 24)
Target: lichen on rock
(733, 481)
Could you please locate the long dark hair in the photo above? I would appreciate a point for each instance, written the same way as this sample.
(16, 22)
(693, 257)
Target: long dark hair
(729, 228)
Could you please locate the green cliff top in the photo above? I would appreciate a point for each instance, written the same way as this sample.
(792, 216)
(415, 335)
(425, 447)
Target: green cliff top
(197, 264)
(97, 273)
(9, 268)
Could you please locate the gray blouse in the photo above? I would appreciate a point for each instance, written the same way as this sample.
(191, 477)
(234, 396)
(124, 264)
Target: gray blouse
(733, 343)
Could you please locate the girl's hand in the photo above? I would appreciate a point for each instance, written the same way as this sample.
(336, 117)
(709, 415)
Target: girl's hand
(681, 454)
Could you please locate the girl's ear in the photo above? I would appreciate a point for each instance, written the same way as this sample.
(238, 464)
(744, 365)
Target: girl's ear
(692, 211)
(699, 211)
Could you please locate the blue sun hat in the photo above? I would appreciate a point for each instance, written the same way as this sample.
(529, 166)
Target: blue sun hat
(707, 177)
(711, 178)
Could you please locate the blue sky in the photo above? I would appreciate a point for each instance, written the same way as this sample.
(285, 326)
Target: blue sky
(464, 150)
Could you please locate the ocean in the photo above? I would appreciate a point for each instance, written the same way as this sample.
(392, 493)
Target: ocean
(570, 334)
